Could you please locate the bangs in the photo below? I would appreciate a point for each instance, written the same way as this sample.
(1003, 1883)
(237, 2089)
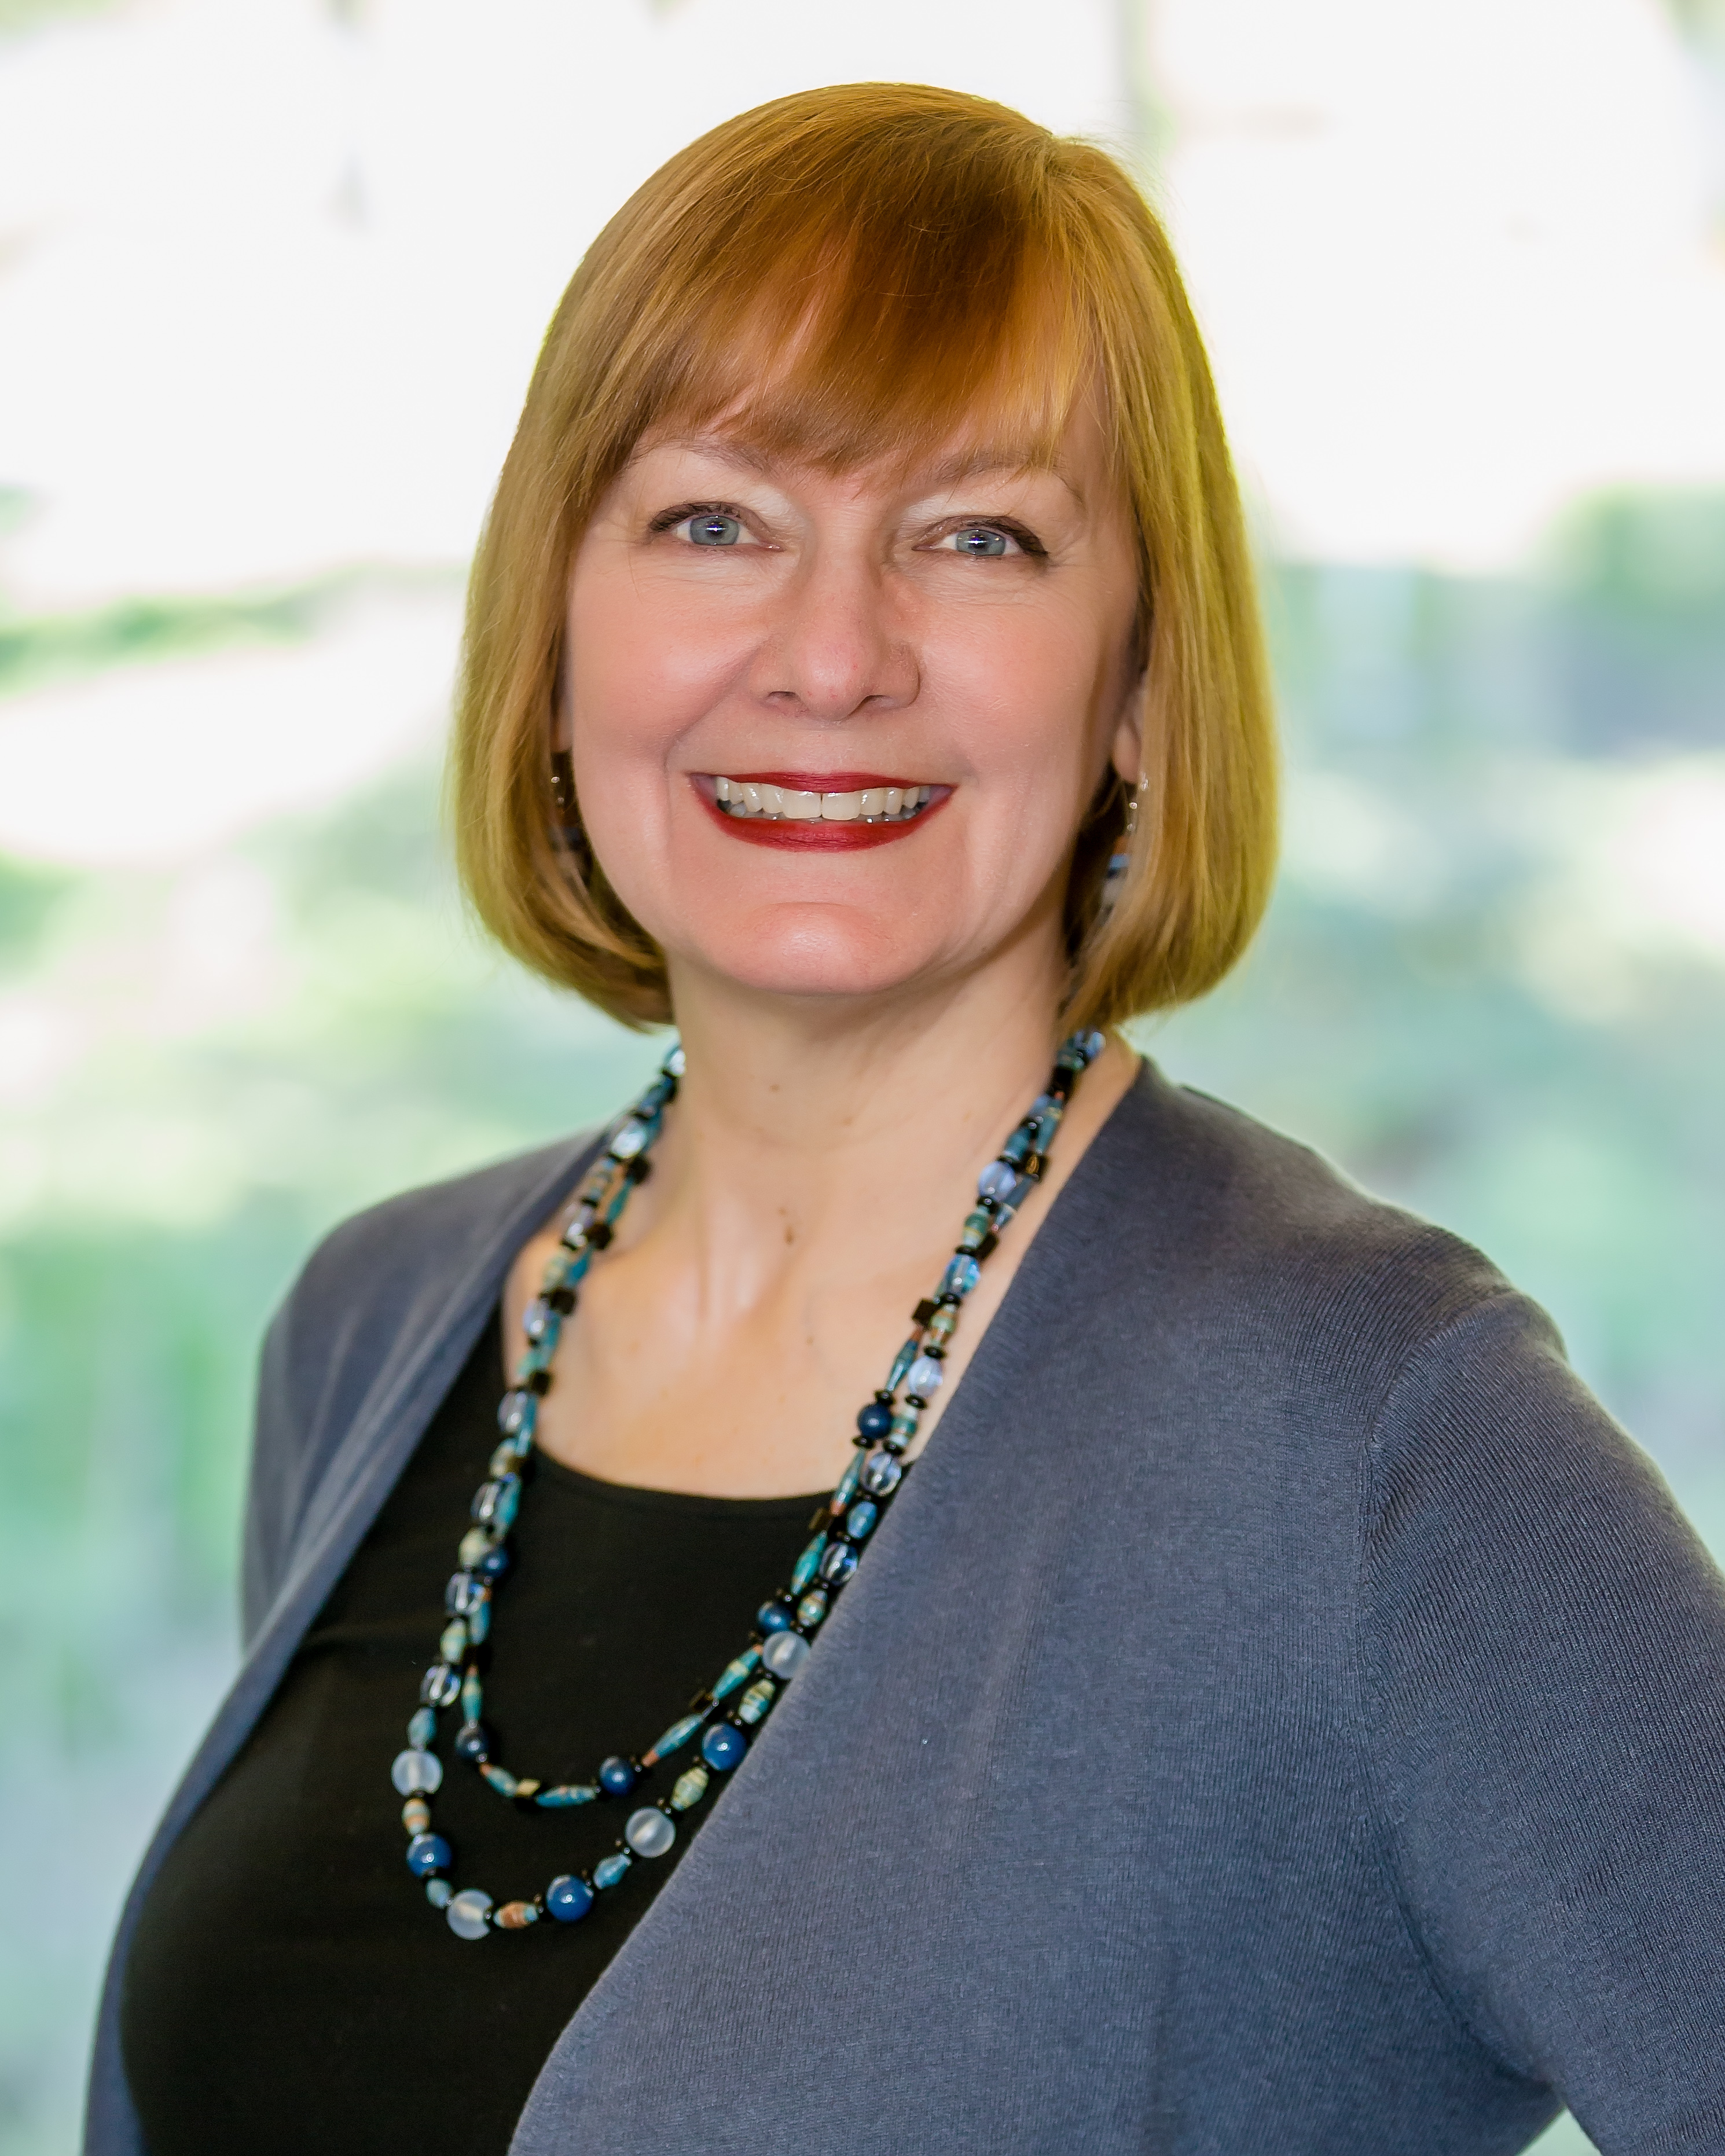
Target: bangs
(868, 297)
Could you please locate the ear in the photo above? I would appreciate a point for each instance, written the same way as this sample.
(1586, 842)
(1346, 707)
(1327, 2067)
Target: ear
(562, 724)
(1127, 753)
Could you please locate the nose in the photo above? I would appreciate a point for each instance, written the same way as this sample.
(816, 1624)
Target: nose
(836, 644)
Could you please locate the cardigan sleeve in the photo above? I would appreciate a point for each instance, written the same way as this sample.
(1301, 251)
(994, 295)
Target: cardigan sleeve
(1542, 1666)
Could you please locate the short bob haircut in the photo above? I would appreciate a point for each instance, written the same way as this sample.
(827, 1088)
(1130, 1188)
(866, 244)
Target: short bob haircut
(843, 275)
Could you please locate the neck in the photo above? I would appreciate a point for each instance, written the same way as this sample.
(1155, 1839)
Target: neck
(804, 1130)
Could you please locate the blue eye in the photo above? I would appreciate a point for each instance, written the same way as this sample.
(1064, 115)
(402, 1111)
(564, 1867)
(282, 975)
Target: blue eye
(979, 539)
(712, 529)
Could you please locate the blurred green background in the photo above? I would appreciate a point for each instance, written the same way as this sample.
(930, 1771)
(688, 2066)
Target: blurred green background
(1493, 985)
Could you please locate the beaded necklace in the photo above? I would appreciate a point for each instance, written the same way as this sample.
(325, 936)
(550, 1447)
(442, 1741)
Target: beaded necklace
(721, 1718)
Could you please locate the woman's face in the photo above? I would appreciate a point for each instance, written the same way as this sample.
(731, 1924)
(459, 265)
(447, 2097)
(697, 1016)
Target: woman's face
(833, 735)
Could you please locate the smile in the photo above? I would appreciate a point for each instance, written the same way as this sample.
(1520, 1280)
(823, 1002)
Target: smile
(828, 812)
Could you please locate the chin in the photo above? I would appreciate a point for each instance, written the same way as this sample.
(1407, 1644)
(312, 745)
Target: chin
(816, 951)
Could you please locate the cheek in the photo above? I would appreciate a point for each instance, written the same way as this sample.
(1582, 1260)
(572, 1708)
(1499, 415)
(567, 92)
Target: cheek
(640, 669)
(1026, 697)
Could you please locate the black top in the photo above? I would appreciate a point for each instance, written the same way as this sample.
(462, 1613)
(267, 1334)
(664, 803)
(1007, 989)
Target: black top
(289, 1987)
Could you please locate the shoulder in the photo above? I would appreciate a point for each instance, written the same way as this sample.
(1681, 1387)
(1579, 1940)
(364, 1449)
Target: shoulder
(1272, 1224)
(379, 1266)
(380, 1306)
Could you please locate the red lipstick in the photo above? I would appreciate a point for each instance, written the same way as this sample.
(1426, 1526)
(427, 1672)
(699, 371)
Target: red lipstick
(814, 834)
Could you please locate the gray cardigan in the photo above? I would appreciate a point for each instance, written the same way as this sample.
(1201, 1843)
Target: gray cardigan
(1282, 1714)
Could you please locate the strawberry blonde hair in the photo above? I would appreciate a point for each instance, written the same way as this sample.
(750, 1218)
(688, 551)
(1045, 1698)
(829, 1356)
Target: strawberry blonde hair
(894, 263)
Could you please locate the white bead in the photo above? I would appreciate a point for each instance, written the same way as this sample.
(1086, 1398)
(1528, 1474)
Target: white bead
(417, 1773)
(467, 1913)
(648, 1832)
(785, 1653)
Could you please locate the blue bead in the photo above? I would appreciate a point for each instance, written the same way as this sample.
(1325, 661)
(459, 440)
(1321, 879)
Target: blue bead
(422, 1727)
(429, 1852)
(440, 1685)
(805, 1565)
(1091, 1044)
(859, 1519)
(1022, 1186)
(901, 1361)
(772, 1616)
(517, 1413)
(882, 1474)
(723, 1746)
(838, 1564)
(616, 1776)
(494, 1504)
(674, 1739)
(874, 1420)
(748, 1661)
(568, 1899)
(438, 1892)
(996, 1179)
(1017, 1146)
(1046, 1126)
(610, 1869)
(464, 1594)
(494, 1563)
(473, 1741)
(924, 1379)
(959, 1278)
(630, 1140)
(812, 1607)
(849, 1480)
(539, 1320)
(676, 1063)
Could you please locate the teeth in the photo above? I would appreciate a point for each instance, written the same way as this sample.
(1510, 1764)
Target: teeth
(743, 798)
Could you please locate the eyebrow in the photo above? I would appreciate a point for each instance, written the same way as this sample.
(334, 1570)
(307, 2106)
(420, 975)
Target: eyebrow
(985, 460)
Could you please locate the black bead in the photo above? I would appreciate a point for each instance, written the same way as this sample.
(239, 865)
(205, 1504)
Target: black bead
(539, 1382)
(561, 1300)
(599, 1234)
(639, 1169)
(924, 1311)
(989, 1243)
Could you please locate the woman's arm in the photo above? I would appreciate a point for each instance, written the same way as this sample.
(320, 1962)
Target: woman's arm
(1542, 1665)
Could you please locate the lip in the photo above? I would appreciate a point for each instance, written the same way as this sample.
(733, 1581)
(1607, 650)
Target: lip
(815, 836)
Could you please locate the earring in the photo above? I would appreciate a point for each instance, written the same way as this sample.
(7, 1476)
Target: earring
(566, 829)
(1120, 861)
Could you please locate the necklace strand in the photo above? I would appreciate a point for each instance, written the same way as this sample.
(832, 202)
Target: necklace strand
(722, 1719)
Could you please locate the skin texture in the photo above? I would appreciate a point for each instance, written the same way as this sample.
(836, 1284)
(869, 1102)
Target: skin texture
(863, 1024)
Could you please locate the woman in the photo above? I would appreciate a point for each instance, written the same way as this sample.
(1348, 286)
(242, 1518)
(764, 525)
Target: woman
(1278, 1710)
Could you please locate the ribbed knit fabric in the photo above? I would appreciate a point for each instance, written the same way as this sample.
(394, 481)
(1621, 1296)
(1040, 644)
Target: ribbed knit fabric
(1282, 1713)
